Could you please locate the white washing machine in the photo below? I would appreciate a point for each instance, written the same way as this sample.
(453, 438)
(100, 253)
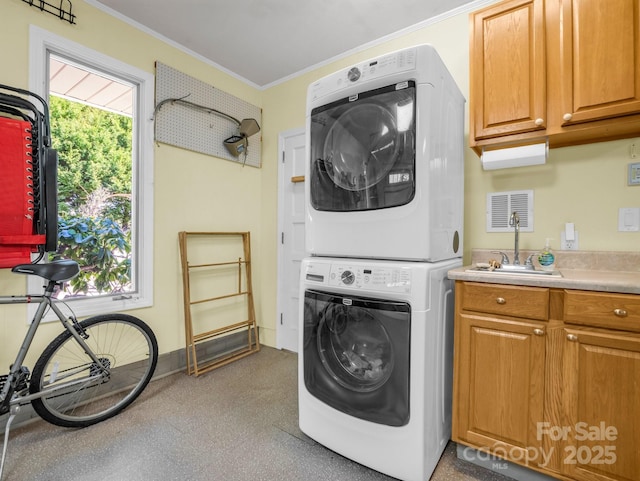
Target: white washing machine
(375, 361)
(385, 163)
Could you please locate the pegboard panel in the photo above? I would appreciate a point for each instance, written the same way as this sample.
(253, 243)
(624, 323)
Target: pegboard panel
(200, 131)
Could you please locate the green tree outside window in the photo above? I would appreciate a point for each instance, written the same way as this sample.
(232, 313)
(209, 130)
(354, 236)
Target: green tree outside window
(94, 194)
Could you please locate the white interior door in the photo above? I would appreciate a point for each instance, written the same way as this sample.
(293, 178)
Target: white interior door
(291, 205)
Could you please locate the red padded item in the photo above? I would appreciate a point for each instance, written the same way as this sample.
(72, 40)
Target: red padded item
(16, 191)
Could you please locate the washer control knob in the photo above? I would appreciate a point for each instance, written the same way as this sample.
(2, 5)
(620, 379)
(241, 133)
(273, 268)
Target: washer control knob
(354, 74)
(347, 277)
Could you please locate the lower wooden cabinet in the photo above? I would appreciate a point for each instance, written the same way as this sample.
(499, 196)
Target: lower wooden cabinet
(500, 378)
(559, 396)
(601, 370)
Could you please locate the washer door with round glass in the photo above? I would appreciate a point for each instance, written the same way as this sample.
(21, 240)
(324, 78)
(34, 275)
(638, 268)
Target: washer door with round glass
(356, 355)
(363, 150)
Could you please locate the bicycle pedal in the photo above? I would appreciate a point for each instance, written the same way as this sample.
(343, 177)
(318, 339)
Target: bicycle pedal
(4, 406)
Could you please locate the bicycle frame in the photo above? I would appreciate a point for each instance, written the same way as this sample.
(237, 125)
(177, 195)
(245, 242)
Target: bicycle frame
(44, 301)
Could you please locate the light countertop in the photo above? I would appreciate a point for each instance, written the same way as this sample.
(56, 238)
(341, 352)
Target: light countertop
(584, 270)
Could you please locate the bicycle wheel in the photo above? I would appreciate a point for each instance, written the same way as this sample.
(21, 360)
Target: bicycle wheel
(86, 394)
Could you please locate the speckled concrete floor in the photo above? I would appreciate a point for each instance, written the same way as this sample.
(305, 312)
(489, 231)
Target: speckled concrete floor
(237, 423)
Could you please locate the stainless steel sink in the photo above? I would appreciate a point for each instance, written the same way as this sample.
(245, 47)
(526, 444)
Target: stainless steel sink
(515, 272)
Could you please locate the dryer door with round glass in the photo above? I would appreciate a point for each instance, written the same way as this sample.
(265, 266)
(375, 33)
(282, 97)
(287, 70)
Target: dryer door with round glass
(363, 150)
(356, 355)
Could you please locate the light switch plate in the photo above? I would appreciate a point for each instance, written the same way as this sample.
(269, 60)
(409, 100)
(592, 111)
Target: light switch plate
(629, 219)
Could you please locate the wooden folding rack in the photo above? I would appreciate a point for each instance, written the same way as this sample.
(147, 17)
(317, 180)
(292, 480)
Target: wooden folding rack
(195, 367)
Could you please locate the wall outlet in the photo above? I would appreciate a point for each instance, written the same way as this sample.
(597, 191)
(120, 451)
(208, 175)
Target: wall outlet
(568, 245)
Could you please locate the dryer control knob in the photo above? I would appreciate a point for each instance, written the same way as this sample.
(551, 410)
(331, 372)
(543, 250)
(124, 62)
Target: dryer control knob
(354, 74)
(347, 277)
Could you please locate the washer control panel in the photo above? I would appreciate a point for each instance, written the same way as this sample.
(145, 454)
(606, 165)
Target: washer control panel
(370, 278)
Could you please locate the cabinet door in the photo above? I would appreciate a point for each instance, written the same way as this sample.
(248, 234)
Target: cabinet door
(499, 369)
(600, 63)
(507, 64)
(602, 400)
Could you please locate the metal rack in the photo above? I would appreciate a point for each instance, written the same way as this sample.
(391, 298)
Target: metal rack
(193, 339)
(58, 11)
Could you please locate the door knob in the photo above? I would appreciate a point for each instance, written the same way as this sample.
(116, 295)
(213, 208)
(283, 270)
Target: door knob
(539, 122)
(567, 117)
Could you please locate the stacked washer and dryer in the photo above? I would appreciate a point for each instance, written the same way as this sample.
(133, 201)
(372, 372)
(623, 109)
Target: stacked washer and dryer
(383, 226)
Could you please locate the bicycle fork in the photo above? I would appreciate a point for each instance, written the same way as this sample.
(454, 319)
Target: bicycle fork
(80, 335)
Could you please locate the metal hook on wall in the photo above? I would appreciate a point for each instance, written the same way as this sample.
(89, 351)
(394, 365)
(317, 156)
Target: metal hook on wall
(58, 11)
(193, 105)
(236, 144)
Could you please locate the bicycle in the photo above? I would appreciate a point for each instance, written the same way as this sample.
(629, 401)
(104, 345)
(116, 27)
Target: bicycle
(89, 373)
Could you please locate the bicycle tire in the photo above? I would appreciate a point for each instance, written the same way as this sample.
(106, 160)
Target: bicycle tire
(124, 343)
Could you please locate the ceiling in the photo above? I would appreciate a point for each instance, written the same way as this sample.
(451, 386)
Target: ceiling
(264, 42)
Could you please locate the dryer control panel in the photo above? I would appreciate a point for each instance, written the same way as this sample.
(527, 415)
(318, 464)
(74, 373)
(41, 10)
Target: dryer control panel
(385, 65)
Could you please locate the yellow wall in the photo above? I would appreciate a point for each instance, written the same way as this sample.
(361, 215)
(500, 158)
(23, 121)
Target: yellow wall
(585, 184)
(193, 192)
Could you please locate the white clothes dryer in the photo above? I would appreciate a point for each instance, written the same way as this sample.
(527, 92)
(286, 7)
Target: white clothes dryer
(375, 361)
(385, 160)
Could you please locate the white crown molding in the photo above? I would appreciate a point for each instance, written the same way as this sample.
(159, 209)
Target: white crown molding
(469, 7)
(168, 41)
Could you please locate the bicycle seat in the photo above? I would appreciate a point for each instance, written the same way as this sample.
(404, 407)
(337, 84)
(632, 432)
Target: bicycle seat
(60, 270)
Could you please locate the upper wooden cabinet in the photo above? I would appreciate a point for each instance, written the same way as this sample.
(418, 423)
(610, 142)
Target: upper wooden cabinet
(600, 59)
(508, 76)
(563, 70)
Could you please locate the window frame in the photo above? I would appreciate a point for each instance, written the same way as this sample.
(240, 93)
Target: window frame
(43, 43)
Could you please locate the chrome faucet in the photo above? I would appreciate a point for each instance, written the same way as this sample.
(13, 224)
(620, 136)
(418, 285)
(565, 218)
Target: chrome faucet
(514, 221)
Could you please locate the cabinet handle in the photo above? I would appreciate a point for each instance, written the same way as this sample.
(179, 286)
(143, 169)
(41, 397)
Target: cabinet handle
(539, 122)
(538, 332)
(620, 312)
(501, 300)
(567, 117)
(572, 337)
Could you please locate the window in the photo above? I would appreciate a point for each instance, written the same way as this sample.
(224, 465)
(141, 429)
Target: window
(131, 108)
